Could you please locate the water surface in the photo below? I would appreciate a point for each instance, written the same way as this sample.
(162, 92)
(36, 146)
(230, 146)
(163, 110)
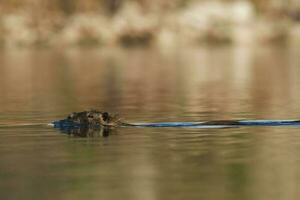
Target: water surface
(150, 85)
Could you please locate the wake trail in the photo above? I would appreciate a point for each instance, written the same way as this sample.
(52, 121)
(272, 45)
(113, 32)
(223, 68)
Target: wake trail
(20, 125)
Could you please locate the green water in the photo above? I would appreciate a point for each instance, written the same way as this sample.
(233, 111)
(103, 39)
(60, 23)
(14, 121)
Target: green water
(151, 85)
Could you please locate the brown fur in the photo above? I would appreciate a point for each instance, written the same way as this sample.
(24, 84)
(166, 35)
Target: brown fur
(94, 118)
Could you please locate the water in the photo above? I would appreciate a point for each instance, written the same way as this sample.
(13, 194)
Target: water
(150, 85)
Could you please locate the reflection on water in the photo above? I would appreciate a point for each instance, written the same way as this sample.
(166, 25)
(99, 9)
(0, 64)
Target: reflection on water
(85, 131)
(38, 86)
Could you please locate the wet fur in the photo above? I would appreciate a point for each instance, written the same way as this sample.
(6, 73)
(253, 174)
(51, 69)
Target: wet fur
(94, 118)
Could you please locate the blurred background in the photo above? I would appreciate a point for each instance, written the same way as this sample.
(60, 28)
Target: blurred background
(144, 22)
(193, 60)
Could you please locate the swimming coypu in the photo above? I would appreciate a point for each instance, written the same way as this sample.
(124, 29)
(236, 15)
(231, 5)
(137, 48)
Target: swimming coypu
(90, 123)
(93, 118)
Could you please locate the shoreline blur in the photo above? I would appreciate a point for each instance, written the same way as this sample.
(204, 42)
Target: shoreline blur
(103, 23)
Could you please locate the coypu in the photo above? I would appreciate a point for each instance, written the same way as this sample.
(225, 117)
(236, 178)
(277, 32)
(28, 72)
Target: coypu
(93, 118)
(90, 123)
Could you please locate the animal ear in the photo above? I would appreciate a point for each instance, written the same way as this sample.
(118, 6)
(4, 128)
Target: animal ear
(105, 116)
(71, 115)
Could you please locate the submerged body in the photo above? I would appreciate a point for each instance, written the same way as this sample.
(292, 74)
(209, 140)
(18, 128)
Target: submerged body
(95, 119)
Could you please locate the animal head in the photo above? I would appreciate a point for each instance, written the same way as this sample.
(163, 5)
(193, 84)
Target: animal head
(93, 117)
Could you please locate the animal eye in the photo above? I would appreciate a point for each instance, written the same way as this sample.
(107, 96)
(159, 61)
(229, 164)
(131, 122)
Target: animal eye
(105, 116)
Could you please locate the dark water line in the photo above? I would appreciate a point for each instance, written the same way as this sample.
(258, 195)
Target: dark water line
(218, 124)
(204, 124)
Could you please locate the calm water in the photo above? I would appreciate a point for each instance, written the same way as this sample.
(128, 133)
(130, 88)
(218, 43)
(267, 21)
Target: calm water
(38, 86)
